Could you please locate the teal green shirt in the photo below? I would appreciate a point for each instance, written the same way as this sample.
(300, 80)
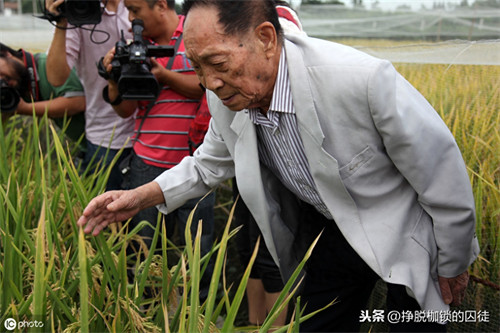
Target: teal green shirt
(71, 88)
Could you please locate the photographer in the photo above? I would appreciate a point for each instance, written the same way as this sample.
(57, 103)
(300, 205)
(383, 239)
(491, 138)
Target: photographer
(81, 48)
(26, 74)
(161, 129)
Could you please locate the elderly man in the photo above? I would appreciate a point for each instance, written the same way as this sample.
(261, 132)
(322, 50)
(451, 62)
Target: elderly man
(322, 137)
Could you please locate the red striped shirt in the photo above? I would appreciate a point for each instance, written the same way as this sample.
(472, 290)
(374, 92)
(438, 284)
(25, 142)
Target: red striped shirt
(163, 139)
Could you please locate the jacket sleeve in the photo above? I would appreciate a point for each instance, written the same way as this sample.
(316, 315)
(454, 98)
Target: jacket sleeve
(195, 175)
(425, 152)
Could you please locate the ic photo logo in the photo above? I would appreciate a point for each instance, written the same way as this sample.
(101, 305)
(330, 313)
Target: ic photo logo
(10, 324)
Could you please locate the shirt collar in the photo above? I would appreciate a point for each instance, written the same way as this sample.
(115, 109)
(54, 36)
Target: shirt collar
(282, 97)
(281, 100)
(180, 26)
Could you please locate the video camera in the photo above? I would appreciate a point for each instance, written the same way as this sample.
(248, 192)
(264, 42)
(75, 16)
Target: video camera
(9, 97)
(131, 66)
(77, 12)
(80, 12)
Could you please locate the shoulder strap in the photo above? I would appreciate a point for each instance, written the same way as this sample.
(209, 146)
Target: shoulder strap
(152, 103)
(170, 62)
(148, 108)
(29, 62)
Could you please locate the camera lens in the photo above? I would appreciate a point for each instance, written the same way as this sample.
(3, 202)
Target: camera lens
(80, 12)
(9, 98)
(80, 8)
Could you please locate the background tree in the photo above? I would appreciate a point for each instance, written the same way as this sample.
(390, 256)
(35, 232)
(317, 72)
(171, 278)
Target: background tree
(487, 3)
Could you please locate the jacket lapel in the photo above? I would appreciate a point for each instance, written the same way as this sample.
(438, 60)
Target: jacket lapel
(249, 176)
(324, 167)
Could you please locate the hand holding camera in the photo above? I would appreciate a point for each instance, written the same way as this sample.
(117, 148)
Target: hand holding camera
(131, 66)
(76, 12)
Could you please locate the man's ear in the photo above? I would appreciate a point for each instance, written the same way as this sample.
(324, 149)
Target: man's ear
(266, 35)
(162, 4)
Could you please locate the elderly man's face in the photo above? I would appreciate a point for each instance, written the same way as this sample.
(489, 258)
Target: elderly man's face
(239, 69)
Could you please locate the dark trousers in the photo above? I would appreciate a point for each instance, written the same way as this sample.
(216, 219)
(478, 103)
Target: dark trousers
(264, 267)
(96, 154)
(141, 173)
(335, 271)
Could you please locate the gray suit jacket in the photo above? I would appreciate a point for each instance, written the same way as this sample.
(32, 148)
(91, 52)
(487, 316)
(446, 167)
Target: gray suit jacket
(384, 163)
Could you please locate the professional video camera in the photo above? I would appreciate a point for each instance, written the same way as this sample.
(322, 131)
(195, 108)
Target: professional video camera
(9, 97)
(131, 66)
(77, 12)
(80, 12)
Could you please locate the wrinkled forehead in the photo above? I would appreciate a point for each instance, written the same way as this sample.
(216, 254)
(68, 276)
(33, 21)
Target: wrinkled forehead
(200, 19)
(202, 31)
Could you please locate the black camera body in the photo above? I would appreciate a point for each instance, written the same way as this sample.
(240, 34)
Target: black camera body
(80, 12)
(131, 66)
(9, 97)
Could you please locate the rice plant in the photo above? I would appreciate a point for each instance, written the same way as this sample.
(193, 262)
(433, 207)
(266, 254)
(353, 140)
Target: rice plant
(53, 274)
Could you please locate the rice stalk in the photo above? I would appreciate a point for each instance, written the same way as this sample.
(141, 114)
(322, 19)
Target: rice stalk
(84, 286)
(214, 282)
(39, 296)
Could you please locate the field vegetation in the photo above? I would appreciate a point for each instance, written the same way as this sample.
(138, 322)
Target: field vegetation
(468, 99)
(52, 273)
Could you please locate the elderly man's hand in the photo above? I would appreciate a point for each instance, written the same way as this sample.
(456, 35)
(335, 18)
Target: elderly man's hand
(453, 289)
(116, 206)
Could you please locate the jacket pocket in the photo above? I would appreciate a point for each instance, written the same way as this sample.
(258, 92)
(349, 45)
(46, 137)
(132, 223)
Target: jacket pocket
(423, 235)
(356, 163)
